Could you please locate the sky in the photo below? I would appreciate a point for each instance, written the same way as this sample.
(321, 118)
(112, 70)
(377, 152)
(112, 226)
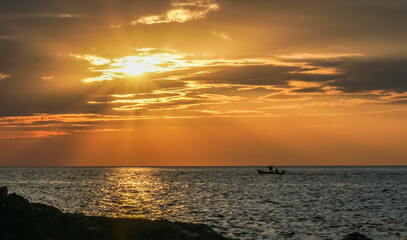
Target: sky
(203, 82)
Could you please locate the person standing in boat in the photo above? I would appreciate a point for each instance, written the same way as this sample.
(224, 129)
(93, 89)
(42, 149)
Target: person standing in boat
(276, 171)
(270, 168)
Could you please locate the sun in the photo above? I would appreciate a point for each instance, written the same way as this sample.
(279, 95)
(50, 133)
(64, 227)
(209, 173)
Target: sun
(135, 66)
(139, 65)
(135, 69)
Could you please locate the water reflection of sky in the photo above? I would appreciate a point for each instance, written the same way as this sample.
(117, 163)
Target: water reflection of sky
(313, 203)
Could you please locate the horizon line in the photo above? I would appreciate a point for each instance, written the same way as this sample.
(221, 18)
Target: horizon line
(161, 166)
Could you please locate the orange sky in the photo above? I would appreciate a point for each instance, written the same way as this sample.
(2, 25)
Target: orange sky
(203, 82)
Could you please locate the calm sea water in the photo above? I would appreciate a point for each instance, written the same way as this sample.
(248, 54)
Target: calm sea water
(306, 203)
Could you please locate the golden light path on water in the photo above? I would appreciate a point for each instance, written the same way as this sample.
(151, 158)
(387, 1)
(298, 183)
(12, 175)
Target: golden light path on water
(139, 192)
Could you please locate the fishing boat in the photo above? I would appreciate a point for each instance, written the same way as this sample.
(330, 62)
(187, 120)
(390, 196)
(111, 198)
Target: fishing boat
(270, 171)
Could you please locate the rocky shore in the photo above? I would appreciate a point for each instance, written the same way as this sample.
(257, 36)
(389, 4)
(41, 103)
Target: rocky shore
(20, 219)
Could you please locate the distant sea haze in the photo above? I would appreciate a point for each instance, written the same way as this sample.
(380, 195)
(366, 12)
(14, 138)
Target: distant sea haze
(305, 203)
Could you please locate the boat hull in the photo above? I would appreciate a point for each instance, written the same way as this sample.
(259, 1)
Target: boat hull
(265, 172)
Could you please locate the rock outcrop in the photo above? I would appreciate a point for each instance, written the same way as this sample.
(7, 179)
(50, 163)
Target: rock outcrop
(20, 219)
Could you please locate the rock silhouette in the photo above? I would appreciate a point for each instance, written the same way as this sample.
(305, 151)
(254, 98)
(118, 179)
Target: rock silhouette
(20, 219)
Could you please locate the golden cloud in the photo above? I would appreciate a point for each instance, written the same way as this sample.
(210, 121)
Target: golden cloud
(30, 134)
(3, 76)
(181, 12)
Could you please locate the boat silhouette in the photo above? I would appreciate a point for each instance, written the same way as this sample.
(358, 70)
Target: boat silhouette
(271, 171)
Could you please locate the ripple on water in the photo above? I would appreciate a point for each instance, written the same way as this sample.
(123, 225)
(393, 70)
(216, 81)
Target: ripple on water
(309, 203)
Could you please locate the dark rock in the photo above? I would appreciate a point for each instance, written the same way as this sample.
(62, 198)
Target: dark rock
(3, 193)
(20, 219)
(16, 201)
(356, 236)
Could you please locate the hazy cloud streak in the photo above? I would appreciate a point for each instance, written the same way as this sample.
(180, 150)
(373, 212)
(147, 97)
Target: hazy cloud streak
(181, 12)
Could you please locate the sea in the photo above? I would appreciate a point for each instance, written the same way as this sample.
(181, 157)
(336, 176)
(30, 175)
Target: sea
(305, 203)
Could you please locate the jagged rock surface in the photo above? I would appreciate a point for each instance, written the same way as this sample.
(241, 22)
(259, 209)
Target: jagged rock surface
(20, 219)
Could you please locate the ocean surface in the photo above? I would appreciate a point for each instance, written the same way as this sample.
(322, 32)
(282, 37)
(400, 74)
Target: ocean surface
(306, 203)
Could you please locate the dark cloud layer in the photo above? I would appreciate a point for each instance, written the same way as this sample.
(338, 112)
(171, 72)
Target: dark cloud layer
(357, 26)
(374, 74)
(36, 40)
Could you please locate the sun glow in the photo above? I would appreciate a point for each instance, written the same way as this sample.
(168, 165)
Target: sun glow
(144, 61)
(152, 60)
(137, 65)
(136, 69)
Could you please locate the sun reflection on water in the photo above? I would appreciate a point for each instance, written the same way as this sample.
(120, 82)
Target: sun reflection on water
(138, 192)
